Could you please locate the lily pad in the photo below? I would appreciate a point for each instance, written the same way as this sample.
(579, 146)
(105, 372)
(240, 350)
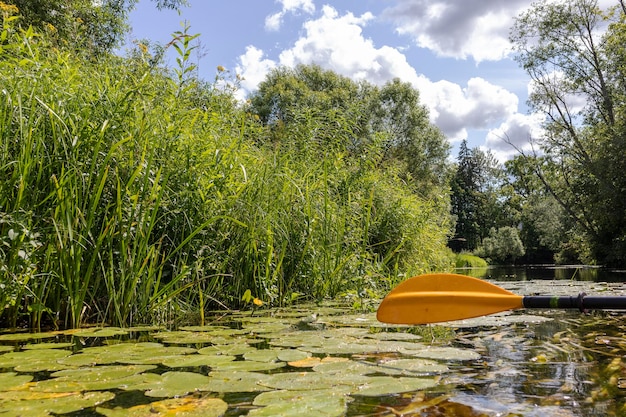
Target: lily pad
(325, 403)
(95, 378)
(34, 360)
(443, 353)
(101, 332)
(6, 349)
(183, 361)
(250, 366)
(174, 384)
(236, 381)
(411, 367)
(48, 345)
(25, 403)
(21, 337)
(385, 385)
(11, 380)
(131, 353)
(179, 407)
(236, 349)
(299, 381)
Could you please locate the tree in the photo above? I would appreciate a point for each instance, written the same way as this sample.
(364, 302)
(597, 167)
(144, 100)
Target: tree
(474, 201)
(575, 55)
(502, 246)
(388, 124)
(96, 26)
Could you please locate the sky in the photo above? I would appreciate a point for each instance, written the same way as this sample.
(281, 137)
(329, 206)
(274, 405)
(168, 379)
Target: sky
(456, 53)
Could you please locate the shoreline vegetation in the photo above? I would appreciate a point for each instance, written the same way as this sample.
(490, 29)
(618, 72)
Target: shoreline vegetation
(132, 193)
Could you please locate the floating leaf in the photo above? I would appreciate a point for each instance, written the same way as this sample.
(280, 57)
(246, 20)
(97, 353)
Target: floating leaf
(48, 345)
(385, 385)
(34, 360)
(410, 367)
(443, 353)
(197, 360)
(250, 366)
(298, 381)
(101, 332)
(326, 403)
(24, 403)
(95, 378)
(236, 349)
(20, 337)
(6, 349)
(174, 384)
(179, 407)
(11, 380)
(236, 381)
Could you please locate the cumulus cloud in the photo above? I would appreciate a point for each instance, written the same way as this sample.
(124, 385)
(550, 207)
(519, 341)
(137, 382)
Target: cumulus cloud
(336, 41)
(514, 134)
(460, 29)
(274, 21)
(477, 106)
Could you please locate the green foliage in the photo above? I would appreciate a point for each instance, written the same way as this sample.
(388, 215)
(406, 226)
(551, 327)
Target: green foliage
(582, 150)
(502, 246)
(129, 194)
(467, 260)
(474, 201)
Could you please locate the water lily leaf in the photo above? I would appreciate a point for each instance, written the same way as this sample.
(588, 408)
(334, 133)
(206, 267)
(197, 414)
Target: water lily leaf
(6, 349)
(130, 353)
(236, 349)
(290, 355)
(326, 403)
(265, 355)
(24, 403)
(358, 368)
(250, 366)
(187, 338)
(11, 380)
(34, 360)
(393, 336)
(209, 328)
(48, 345)
(100, 373)
(236, 381)
(298, 381)
(313, 361)
(21, 337)
(101, 332)
(410, 367)
(179, 407)
(182, 361)
(443, 353)
(174, 384)
(385, 385)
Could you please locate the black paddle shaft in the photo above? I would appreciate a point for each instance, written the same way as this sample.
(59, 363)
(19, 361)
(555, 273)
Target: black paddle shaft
(581, 302)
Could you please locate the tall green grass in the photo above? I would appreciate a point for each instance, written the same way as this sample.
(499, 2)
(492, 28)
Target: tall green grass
(131, 195)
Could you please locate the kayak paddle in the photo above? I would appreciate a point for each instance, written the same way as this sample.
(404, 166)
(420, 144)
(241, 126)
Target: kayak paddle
(434, 298)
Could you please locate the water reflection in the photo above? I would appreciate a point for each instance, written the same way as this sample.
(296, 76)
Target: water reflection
(546, 272)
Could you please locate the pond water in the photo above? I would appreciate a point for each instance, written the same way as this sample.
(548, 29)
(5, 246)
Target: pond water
(328, 360)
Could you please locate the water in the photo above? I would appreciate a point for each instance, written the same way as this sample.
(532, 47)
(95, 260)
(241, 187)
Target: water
(538, 363)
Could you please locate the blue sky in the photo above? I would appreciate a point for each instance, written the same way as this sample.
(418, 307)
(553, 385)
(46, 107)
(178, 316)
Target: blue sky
(456, 53)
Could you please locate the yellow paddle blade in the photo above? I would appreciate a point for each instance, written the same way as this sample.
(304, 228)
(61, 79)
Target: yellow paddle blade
(434, 298)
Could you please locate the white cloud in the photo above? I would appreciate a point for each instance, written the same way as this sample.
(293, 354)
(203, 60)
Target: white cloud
(460, 29)
(253, 67)
(336, 42)
(514, 134)
(477, 106)
(274, 21)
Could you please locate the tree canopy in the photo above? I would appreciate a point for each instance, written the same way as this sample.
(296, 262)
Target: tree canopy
(575, 53)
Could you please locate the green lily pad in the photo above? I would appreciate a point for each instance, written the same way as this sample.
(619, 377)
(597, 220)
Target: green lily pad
(236, 349)
(393, 336)
(6, 349)
(376, 386)
(187, 338)
(443, 353)
(24, 403)
(131, 353)
(250, 366)
(262, 355)
(174, 384)
(179, 407)
(21, 337)
(299, 381)
(182, 361)
(236, 381)
(48, 345)
(291, 355)
(411, 367)
(95, 378)
(11, 380)
(101, 332)
(34, 360)
(325, 403)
